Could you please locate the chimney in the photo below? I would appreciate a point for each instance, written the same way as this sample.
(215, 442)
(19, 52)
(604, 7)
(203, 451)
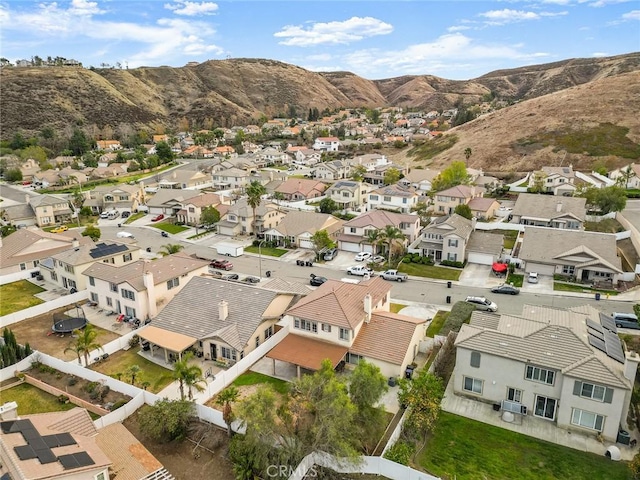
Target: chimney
(147, 280)
(559, 207)
(9, 411)
(631, 365)
(75, 243)
(223, 310)
(368, 307)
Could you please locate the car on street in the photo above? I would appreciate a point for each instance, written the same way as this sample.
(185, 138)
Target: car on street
(394, 276)
(125, 214)
(482, 303)
(532, 277)
(626, 320)
(316, 280)
(221, 264)
(216, 273)
(506, 289)
(378, 259)
(251, 279)
(330, 254)
(157, 218)
(362, 256)
(231, 276)
(359, 270)
(164, 234)
(60, 229)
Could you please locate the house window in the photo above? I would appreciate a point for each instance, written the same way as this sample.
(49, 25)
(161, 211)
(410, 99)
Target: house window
(94, 297)
(344, 334)
(127, 257)
(109, 302)
(352, 229)
(257, 342)
(593, 392)
(113, 287)
(453, 243)
(326, 327)
(346, 194)
(54, 276)
(452, 257)
(109, 260)
(72, 284)
(387, 198)
(306, 325)
(130, 312)
(475, 359)
(268, 332)
(173, 283)
(586, 419)
(92, 281)
(404, 200)
(541, 375)
(472, 385)
(100, 476)
(23, 266)
(514, 394)
(568, 269)
(128, 294)
(354, 359)
(373, 198)
(68, 268)
(228, 353)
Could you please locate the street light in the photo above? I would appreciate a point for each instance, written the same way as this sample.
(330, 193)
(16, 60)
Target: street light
(260, 256)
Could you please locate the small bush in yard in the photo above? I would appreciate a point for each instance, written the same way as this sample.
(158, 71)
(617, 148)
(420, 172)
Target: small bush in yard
(460, 313)
(118, 404)
(400, 452)
(72, 381)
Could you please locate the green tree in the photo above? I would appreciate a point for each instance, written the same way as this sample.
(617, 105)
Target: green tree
(455, 174)
(372, 237)
(35, 152)
(93, 232)
(467, 154)
(358, 172)
(391, 235)
(636, 309)
(626, 175)
(209, 216)
(373, 115)
(464, 211)
(225, 398)
(366, 385)
(605, 200)
(132, 372)
(422, 209)
(391, 176)
(84, 343)
(187, 375)
(321, 240)
(170, 249)
(164, 152)
(13, 175)
(328, 205)
(166, 420)
(422, 395)
(254, 192)
(79, 143)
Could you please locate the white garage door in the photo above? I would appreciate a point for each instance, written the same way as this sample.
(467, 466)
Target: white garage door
(539, 268)
(349, 247)
(306, 244)
(480, 258)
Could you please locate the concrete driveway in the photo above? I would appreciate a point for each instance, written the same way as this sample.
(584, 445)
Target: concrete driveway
(476, 275)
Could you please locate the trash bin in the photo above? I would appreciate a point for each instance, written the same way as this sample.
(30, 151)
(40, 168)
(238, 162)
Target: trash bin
(597, 296)
(448, 284)
(392, 381)
(623, 437)
(448, 298)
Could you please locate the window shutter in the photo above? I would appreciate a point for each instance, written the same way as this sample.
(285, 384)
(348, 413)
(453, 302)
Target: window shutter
(608, 395)
(577, 386)
(599, 422)
(475, 359)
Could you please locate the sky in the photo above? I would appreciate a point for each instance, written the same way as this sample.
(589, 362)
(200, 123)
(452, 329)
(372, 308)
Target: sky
(453, 39)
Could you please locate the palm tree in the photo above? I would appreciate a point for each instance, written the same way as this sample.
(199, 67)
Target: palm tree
(171, 248)
(225, 399)
(254, 192)
(75, 348)
(467, 154)
(372, 237)
(189, 376)
(133, 371)
(626, 174)
(391, 234)
(84, 343)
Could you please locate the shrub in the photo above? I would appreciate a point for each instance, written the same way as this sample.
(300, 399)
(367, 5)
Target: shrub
(91, 387)
(400, 452)
(72, 380)
(451, 263)
(94, 394)
(63, 398)
(407, 258)
(134, 341)
(460, 313)
(118, 404)
(416, 257)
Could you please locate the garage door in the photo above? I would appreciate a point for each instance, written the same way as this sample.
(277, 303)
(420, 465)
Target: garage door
(349, 247)
(539, 268)
(306, 244)
(480, 258)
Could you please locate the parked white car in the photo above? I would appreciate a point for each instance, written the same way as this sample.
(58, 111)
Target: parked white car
(533, 277)
(359, 270)
(394, 276)
(362, 256)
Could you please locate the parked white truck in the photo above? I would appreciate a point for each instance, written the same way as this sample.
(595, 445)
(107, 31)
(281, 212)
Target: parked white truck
(229, 249)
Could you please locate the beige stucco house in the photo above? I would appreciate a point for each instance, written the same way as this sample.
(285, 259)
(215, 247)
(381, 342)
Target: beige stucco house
(445, 238)
(550, 211)
(50, 209)
(353, 236)
(297, 228)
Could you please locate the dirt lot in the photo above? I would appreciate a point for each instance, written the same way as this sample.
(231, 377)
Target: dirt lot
(35, 330)
(181, 460)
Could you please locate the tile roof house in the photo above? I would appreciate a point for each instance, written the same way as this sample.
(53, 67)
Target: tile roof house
(445, 238)
(587, 256)
(16, 209)
(329, 144)
(483, 208)
(349, 194)
(231, 179)
(239, 218)
(108, 145)
(168, 201)
(556, 180)
(191, 210)
(29, 168)
(564, 366)
(65, 269)
(182, 178)
(484, 248)
(420, 179)
(45, 178)
(334, 170)
(234, 320)
(348, 322)
(396, 198)
(549, 211)
(50, 209)
(115, 197)
(297, 228)
(353, 236)
(294, 189)
(54, 445)
(141, 288)
(446, 201)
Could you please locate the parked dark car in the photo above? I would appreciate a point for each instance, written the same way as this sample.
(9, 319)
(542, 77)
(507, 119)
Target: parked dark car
(626, 320)
(221, 264)
(125, 214)
(316, 280)
(164, 234)
(506, 289)
(231, 276)
(251, 279)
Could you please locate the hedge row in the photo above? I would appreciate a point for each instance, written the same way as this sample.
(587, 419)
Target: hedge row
(460, 313)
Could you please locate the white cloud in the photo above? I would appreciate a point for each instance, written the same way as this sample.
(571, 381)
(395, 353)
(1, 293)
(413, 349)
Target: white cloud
(632, 15)
(602, 3)
(83, 7)
(347, 31)
(190, 9)
(505, 16)
(458, 28)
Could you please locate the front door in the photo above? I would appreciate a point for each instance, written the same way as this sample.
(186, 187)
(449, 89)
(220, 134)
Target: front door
(118, 307)
(214, 351)
(545, 407)
(585, 275)
(64, 282)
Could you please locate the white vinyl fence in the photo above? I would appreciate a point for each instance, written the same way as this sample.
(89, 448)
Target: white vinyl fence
(14, 277)
(112, 347)
(45, 307)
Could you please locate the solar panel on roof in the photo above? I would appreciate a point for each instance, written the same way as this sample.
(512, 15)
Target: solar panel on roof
(594, 325)
(614, 347)
(30, 434)
(46, 456)
(607, 322)
(65, 439)
(25, 452)
(75, 460)
(7, 426)
(596, 334)
(68, 461)
(597, 343)
(84, 459)
(103, 250)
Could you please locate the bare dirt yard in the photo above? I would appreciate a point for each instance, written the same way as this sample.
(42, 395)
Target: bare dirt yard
(35, 331)
(183, 459)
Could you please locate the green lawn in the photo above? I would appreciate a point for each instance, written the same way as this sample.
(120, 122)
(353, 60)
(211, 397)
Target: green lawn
(515, 279)
(430, 271)
(150, 372)
(33, 400)
(255, 378)
(396, 307)
(436, 323)
(468, 450)
(134, 217)
(566, 287)
(17, 296)
(169, 227)
(272, 252)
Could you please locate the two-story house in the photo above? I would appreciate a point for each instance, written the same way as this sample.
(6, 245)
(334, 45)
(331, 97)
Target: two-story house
(353, 237)
(115, 197)
(370, 161)
(568, 367)
(587, 256)
(297, 228)
(334, 170)
(347, 323)
(191, 210)
(231, 179)
(420, 179)
(349, 194)
(169, 202)
(50, 209)
(328, 144)
(445, 238)
(235, 320)
(295, 189)
(377, 175)
(548, 211)
(446, 201)
(396, 198)
(558, 180)
(183, 178)
(273, 156)
(239, 218)
(65, 269)
(306, 157)
(141, 288)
